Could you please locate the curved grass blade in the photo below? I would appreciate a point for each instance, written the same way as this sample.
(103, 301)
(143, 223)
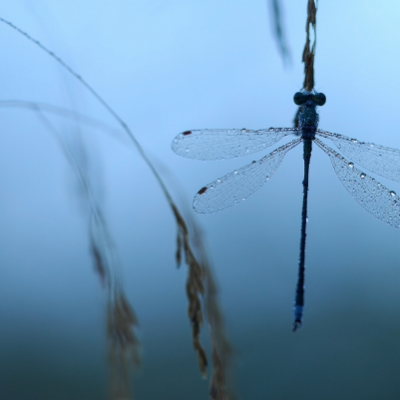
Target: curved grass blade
(380, 160)
(183, 233)
(236, 186)
(381, 202)
(218, 144)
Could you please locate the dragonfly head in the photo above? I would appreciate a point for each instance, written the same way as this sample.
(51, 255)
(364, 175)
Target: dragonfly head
(318, 99)
(307, 118)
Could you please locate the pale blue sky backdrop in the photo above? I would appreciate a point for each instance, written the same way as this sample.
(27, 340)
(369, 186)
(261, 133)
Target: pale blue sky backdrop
(166, 67)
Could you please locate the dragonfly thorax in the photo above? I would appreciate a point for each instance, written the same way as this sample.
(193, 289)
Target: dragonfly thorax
(308, 115)
(308, 119)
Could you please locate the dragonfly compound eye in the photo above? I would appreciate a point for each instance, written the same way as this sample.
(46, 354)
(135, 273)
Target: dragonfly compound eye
(300, 98)
(319, 99)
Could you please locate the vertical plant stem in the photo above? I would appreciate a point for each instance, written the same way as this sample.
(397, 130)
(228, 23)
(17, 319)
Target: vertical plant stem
(309, 51)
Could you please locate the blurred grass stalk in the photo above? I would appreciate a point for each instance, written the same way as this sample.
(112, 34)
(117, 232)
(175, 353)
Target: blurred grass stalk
(278, 30)
(121, 321)
(123, 344)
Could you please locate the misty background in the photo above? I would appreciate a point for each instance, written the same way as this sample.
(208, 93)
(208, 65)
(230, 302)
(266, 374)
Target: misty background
(166, 67)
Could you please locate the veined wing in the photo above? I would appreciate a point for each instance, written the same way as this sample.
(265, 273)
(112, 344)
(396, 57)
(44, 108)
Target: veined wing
(381, 202)
(380, 160)
(236, 186)
(218, 144)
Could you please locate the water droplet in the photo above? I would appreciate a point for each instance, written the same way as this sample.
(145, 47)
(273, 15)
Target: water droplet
(244, 130)
(354, 140)
(267, 178)
(392, 193)
(235, 172)
(254, 162)
(362, 175)
(271, 130)
(218, 180)
(350, 164)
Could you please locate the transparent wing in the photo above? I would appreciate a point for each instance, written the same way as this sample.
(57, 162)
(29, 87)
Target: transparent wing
(380, 160)
(381, 202)
(236, 186)
(218, 144)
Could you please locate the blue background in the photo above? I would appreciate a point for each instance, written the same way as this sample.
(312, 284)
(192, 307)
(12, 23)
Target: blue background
(166, 67)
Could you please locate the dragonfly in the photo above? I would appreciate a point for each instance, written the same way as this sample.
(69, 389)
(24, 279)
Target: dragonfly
(235, 187)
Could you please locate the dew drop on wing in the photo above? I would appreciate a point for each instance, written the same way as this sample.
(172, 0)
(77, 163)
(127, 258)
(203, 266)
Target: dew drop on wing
(392, 193)
(350, 164)
(362, 175)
